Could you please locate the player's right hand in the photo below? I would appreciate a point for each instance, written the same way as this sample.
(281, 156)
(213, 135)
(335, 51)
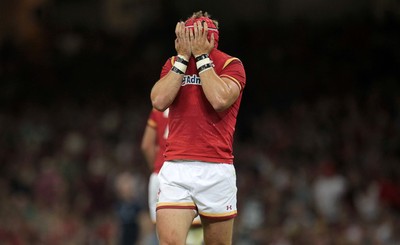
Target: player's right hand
(182, 41)
(199, 39)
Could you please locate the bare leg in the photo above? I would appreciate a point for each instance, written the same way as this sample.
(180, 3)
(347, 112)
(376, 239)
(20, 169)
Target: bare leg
(217, 232)
(173, 225)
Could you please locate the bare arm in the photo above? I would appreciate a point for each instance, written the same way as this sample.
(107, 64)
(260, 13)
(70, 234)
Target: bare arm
(220, 92)
(165, 90)
(149, 146)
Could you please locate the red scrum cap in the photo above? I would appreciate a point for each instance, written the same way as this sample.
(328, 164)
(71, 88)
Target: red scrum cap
(212, 28)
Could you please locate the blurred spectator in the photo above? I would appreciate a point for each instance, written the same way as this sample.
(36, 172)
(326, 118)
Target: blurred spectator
(329, 189)
(129, 208)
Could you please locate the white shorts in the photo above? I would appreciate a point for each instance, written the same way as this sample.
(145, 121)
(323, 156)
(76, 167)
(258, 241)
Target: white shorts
(209, 188)
(154, 187)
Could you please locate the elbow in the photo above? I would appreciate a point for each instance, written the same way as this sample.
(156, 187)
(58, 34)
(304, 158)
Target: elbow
(220, 108)
(220, 105)
(157, 100)
(159, 106)
(159, 103)
(223, 100)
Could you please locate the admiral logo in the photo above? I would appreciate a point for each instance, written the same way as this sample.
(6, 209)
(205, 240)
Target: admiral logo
(191, 80)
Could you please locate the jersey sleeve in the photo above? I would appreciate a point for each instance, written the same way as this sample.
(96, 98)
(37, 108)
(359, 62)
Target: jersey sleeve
(152, 120)
(234, 70)
(167, 67)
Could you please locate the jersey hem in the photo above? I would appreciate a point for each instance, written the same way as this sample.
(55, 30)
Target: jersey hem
(219, 217)
(206, 160)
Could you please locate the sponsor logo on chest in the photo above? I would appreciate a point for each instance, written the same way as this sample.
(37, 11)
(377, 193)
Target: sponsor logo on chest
(191, 80)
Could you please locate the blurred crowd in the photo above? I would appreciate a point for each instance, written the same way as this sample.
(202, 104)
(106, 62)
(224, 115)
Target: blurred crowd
(317, 144)
(67, 173)
(325, 172)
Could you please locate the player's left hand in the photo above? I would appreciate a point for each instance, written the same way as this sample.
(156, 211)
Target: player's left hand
(199, 41)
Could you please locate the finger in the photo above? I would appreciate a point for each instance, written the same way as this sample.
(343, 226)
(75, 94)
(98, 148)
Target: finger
(187, 33)
(196, 30)
(200, 26)
(182, 29)
(191, 35)
(177, 29)
(205, 30)
(212, 41)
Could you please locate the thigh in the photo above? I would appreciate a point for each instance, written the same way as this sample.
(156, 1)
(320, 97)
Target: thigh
(173, 225)
(217, 231)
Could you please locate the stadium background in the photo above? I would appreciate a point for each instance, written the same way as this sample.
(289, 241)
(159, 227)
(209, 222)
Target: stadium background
(318, 135)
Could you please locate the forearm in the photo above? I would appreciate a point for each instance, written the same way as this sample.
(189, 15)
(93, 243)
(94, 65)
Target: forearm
(149, 146)
(216, 90)
(165, 90)
(220, 92)
(149, 155)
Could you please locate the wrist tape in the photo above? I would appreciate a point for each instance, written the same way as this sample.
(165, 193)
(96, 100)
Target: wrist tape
(180, 65)
(203, 63)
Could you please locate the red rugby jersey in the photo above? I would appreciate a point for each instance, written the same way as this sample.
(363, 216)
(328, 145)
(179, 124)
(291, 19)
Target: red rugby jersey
(196, 130)
(159, 121)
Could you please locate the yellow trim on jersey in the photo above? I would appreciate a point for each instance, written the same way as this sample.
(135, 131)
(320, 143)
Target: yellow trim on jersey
(151, 123)
(218, 215)
(233, 79)
(172, 60)
(227, 62)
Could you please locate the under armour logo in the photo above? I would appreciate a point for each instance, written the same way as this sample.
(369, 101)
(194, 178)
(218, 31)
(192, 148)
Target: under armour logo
(229, 207)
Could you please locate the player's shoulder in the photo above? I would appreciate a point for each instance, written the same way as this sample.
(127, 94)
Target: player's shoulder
(222, 58)
(173, 58)
(218, 54)
(169, 61)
